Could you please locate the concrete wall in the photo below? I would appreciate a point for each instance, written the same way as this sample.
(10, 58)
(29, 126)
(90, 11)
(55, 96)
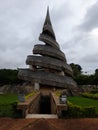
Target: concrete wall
(33, 107)
(53, 105)
(56, 107)
(30, 106)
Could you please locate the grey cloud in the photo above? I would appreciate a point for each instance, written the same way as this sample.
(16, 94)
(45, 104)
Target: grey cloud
(90, 20)
(90, 58)
(63, 12)
(21, 24)
(88, 61)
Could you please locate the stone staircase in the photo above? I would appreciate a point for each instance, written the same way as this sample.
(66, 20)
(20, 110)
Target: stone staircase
(51, 116)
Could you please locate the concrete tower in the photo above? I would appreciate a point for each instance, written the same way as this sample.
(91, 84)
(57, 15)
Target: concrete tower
(50, 67)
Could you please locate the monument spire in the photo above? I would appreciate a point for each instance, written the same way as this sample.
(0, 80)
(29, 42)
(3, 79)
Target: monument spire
(47, 20)
(48, 65)
(47, 27)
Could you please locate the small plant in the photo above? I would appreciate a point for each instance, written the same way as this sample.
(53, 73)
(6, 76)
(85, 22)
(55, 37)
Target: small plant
(30, 94)
(90, 95)
(57, 93)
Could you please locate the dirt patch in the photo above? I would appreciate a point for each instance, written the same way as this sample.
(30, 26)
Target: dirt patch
(48, 124)
(41, 124)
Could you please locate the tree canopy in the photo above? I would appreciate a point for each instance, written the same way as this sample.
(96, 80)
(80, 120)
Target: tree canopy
(9, 76)
(84, 79)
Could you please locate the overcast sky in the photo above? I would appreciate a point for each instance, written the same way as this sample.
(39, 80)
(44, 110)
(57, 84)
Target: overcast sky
(75, 23)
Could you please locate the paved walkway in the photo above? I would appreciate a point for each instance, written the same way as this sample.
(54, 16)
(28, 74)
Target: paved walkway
(42, 116)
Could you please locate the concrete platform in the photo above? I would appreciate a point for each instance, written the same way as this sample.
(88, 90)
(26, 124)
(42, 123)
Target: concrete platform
(51, 116)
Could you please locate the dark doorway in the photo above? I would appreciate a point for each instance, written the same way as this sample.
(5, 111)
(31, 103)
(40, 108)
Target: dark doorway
(45, 104)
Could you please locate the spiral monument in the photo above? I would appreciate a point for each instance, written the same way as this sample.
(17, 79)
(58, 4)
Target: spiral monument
(48, 65)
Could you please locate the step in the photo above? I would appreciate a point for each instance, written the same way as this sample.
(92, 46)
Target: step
(42, 116)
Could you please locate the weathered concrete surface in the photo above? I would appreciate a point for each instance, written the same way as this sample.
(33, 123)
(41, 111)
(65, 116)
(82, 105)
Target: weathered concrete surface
(49, 51)
(49, 41)
(47, 78)
(48, 62)
(31, 105)
(59, 107)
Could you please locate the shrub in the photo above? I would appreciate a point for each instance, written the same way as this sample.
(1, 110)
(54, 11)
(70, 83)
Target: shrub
(57, 93)
(90, 95)
(95, 96)
(9, 76)
(7, 110)
(78, 111)
(89, 111)
(94, 91)
(30, 94)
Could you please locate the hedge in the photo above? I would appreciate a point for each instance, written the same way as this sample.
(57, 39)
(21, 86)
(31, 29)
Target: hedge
(90, 95)
(78, 111)
(94, 91)
(8, 110)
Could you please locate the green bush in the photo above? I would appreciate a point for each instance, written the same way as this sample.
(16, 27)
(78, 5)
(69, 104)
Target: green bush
(7, 110)
(9, 76)
(95, 96)
(30, 94)
(78, 111)
(89, 111)
(94, 91)
(90, 95)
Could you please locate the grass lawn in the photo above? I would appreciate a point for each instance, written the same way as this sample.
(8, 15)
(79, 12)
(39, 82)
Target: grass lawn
(8, 98)
(11, 98)
(82, 101)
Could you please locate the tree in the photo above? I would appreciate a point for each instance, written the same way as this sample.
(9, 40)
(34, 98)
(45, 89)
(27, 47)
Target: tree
(77, 70)
(96, 72)
(8, 76)
(96, 77)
